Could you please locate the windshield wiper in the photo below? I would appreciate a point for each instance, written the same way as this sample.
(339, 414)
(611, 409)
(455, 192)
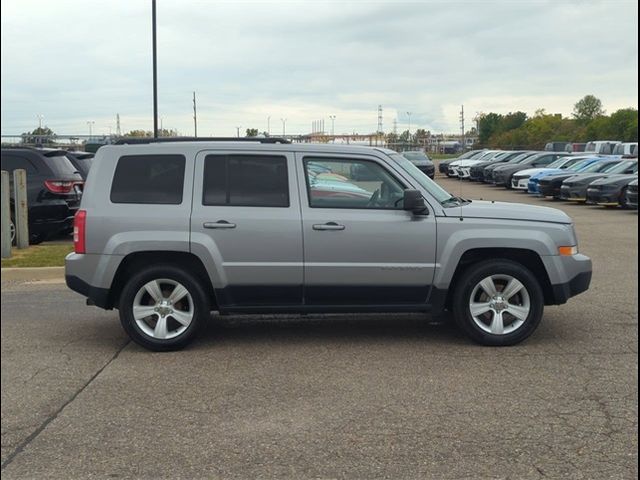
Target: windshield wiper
(454, 201)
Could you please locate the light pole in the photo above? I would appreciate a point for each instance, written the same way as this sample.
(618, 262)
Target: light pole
(90, 123)
(333, 118)
(409, 115)
(155, 69)
(238, 131)
(269, 125)
(284, 126)
(40, 118)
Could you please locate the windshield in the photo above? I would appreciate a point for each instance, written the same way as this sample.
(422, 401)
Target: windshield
(581, 165)
(598, 167)
(440, 194)
(522, 158)
(560, 162)
(621, 167)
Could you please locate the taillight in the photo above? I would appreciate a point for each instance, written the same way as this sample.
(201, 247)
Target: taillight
(79, 231)
(58, 186)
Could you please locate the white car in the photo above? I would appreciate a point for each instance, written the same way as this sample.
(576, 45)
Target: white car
(461, 167)
(520, 181)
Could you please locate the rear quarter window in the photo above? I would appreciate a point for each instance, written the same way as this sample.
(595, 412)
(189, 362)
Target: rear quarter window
(149, 179)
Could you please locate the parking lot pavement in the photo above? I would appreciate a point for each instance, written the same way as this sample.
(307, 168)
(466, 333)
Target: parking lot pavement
(337, 396)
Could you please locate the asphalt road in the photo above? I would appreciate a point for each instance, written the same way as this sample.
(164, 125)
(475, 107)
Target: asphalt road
(340, 396)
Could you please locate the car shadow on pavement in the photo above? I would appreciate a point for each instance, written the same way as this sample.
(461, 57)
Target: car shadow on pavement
(313, 328)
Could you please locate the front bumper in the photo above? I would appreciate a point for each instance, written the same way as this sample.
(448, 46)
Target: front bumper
(464, 172)
(520, 183)
(569, 275)
(574, 193)
(632, 199)
(501, 178)
(608, 198)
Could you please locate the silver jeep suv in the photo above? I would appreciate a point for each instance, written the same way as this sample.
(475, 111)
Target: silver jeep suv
(169, 231)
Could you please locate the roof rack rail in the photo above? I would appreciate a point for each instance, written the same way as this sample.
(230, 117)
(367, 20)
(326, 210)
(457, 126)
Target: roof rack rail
(135, 141)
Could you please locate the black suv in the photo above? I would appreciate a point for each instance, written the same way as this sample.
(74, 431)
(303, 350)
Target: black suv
(82, 161)
(54, 189)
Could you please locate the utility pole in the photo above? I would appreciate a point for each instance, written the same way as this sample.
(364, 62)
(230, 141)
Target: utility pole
(462, 125)
(195, 117)
(90, 123)
(333, 119)
(409, 115)
(395, 126)
(269, 125)
(118, 131)
(284, 125)
(238, 131)
(380, 119)
(155, 70)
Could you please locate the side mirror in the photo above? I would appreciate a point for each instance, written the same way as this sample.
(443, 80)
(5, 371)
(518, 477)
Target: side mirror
(414, 202)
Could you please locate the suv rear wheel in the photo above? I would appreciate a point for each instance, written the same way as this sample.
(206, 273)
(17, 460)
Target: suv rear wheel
(498, 302)
(162, 308)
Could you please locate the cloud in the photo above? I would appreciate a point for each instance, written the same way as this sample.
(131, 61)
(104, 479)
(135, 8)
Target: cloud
(74, 61)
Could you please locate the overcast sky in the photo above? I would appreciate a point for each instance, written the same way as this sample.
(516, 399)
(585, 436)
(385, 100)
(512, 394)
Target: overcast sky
(75, 61)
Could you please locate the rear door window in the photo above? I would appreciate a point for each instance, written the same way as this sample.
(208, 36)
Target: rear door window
(245, 180)
(149, 179)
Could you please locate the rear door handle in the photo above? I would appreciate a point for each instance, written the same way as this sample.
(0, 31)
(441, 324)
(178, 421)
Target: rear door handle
(328, 226)
(219, 224)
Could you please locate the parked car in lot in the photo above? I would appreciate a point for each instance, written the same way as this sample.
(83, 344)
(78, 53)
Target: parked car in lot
(487, 174)
(520, 180)
(422, 161)
(54, 189)
(557, 146)
(583, 164)
(452, 170)
(550, 185)
(629, 149)
(174, 230)
(601, 147)
(477, 171)
(443, 165)
(81, 160)
(576, 147)
(464, 169)
(632, 195)
(502, 175)
(575, 188)
(610, 191)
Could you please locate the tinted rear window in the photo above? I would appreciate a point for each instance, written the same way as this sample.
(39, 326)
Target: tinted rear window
(155, 179)
(61, 167)
(246, 180)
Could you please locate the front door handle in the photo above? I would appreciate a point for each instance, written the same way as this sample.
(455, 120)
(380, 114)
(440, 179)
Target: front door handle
(219, 224)
(328, 226)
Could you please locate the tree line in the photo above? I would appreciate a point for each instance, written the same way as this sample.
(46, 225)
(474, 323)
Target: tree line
(588, 121)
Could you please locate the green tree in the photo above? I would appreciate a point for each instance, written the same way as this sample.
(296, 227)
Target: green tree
(138, 133)
(488, 125)
(587, 108)
(252, 132)
(40, 135)
(512, 120)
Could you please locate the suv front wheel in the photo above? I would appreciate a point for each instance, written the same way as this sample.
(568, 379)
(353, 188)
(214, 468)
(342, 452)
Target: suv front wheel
(498, 302)
(162, 308)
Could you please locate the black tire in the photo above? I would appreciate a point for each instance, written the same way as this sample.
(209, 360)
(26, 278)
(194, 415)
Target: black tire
(623, 198)
(170, 272)
(466, 284)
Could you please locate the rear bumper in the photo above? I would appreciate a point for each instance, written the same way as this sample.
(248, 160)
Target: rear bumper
(95, 296)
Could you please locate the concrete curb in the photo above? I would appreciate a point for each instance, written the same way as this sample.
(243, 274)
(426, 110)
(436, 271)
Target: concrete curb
(32, 274)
